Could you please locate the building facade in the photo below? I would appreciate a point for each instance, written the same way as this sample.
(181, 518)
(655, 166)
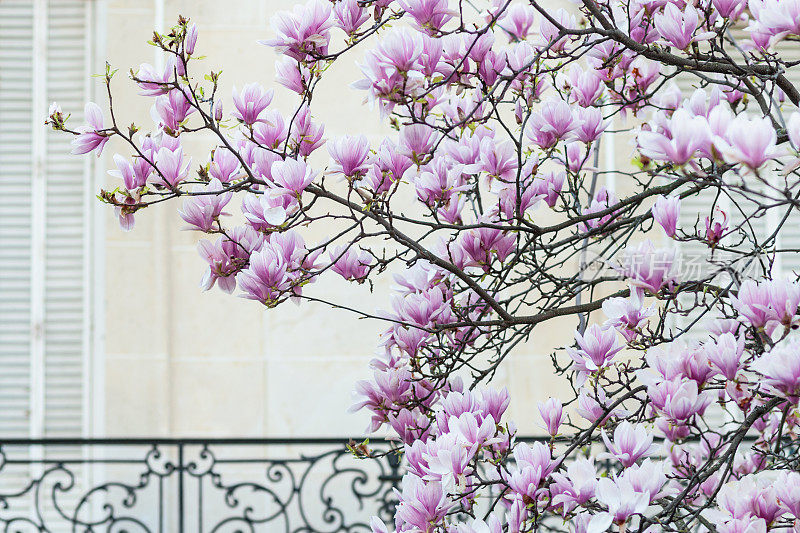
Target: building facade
(106, 333)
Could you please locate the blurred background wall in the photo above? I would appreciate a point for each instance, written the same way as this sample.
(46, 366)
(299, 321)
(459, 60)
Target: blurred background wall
(104, 332)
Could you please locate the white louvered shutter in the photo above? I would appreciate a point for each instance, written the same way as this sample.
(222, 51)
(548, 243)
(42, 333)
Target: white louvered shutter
(44, 247)
(67, 251)
(16, 168)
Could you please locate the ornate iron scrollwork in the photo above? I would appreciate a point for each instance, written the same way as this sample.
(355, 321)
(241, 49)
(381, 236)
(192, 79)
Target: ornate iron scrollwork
(203, 486)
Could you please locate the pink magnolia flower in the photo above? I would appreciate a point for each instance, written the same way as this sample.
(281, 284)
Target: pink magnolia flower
(575, 156)
(533, 465)
(549, 33)
(416, 141)
(773, 21)
(748, 524)
(263, 212)
(438, 181)
(648, 268)
(678, 28)
(171, 167)
(679, 400)
(519, 56)
(648, 477)
(306, 135)
(784, 300)
(409, 425)
(91, 136)
(350, 15)
(447, 460)
(227, 256)
(746, 498)
(695, 365)
(725, 353)
(266, 278)
(126, 208)
(787, 488)
(349, 264)
(750, 141)
(190, 39)
(498, 160)
(477, 47)
(716, 226)
(473, 430)
(768, 304)
(422, 308)
(627, 315)
(225, 165)
(553, 122)
(216, 111)
(304, 30)
(292, 248)
(251, 102)
(421, 504)
(591, 124)
(429, 15)
(453, 405)
(221, 267)
(388, 167)
(491, 524)
(385, 78)
(489, 69)
(550, 186)
(753, 302)
(292, 74)
(133, 176)
(260, 161)
(551, 412)
(349, 154)
(388, 388)
(585, 86)
(575, 487)
(688, 134)
(272, 130)
(596, 349)
(622, 502)
(631, 443)
(592, 409)
(201, 211)
(479, 246)
(291, 177)
(780, 368)
(731, 9)
(517, 21)
(494, 402)
(666, 212)
(517, 198)
(155, 83)
(171, 109)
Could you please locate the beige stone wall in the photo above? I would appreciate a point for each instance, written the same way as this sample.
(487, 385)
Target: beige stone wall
(182, 362)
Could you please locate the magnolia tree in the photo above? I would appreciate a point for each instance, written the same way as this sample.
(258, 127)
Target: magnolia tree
(489, 201)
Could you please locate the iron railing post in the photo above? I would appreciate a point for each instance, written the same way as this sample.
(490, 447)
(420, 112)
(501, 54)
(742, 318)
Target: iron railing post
(181, 467)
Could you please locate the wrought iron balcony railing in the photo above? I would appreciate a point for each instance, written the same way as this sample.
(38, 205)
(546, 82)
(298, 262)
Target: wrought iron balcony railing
(192, 485)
